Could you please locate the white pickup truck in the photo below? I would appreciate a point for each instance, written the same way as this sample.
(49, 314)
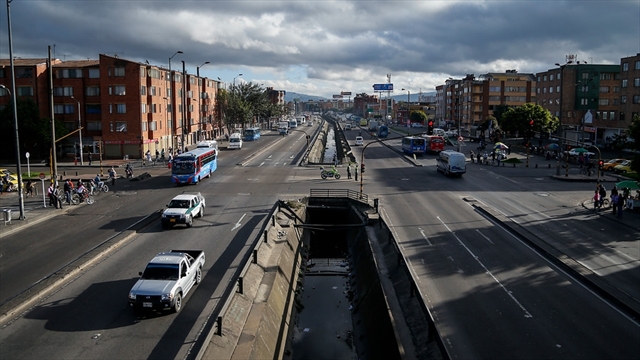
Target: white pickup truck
(182, 209)
(166, 280)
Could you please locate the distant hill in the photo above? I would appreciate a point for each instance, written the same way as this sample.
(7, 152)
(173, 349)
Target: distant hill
(289, 96)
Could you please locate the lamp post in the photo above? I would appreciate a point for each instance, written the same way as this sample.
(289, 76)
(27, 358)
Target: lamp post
(169, 81)
(561, 137)
(199, 96)
(408, 102)
(79, 130)
(15, 112)
(184, 105)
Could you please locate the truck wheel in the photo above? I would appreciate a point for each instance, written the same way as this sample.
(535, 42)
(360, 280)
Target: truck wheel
(177, 305)
(190, 222)
(198, 276)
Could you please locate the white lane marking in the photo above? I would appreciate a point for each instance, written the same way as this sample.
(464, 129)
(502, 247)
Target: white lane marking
(481, 234)
(262, 163)
(425, 237)
(238, 224)
(504, 288)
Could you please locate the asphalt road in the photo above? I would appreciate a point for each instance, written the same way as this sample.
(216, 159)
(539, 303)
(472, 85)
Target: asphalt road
(491, 295)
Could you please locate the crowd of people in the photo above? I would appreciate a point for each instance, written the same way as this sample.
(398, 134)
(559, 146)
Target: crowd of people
(620, 199)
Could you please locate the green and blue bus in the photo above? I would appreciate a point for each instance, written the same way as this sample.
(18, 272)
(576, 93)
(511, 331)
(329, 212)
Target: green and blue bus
(192, 166)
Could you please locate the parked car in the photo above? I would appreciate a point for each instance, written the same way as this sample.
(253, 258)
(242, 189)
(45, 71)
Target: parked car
(623, 168)
(609, 165)
(572, 152)
(359, 141)
(416, 125)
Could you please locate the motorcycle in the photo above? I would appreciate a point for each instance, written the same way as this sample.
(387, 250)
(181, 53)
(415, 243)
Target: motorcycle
(329, 173)
(129, 172)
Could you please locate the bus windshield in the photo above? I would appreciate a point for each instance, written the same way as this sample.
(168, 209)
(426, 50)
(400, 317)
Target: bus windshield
(183, 167)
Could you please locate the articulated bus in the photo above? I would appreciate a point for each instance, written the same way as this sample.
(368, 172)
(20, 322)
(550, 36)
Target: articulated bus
(252, 134)
(414, 145)
(190, 167)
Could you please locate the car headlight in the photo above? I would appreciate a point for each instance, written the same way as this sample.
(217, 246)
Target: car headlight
(132, 295)
(166, 297)
(164, 215)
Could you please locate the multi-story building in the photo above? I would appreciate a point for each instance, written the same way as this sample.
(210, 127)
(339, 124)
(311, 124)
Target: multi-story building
(629, 89)
(585, 98)
(125, 108)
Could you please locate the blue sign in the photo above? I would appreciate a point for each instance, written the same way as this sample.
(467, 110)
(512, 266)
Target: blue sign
(382, 87)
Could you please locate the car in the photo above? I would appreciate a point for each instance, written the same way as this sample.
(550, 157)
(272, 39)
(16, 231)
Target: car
(623, 168)
(347, 127)
(416, 125)
(10, 177)
(609, 165)
(182, 209)
(359, 141)
(574, 153)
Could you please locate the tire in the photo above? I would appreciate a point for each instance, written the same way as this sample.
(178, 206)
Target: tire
(198, 276)
(606, 203)
(337, 176)
(190, 222)
(105, 188)
(323, 175)
(75, 199)
(90, 200)
(177, 305)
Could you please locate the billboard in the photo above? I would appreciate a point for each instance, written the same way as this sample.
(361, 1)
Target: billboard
(382, 87)
(346, 93)
(337, 96)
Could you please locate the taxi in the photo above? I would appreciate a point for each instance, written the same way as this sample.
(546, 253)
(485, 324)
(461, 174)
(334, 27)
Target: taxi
(13, 179)
(611, 164)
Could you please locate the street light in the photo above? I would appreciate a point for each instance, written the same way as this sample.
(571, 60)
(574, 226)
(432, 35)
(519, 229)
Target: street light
(199, 96)
(79, 130)
(408, 102)
(170, 82)
(15, 113)
(560, 138)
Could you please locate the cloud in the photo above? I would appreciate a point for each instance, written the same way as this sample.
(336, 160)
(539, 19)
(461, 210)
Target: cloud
(332, 46)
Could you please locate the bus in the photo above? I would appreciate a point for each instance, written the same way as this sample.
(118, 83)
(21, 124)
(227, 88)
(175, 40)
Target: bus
(414, 145)
(435, 143)
(191, 166)
(252, 134)
(363, 122)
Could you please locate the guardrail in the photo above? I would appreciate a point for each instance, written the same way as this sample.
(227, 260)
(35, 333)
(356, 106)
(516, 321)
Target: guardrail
(339, 193)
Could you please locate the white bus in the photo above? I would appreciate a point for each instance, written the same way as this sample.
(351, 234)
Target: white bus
(235, 141)
(451, 163)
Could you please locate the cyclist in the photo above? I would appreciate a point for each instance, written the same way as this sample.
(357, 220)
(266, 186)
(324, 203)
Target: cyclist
(603, 194)
(82, 190)
(589, 168)
(98, 182)
(68, 188)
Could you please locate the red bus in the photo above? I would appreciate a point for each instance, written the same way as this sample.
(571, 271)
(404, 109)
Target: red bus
(435, 143)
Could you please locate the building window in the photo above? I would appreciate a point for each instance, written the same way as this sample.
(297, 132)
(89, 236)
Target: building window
(2, 73)
(606, 76)
(121, 108)
(25, 91)
(604, 115)
(604, 89)
(152, 90)
(92, 90)
(551, 77)
(637, 65)
(550, 89)
(70, 73)
(63, 91)
(119, 90)
(153, 125)
(118, 71)
(143, 126)
(622, 116)
(94, 125)
(169, 108)
(544, 90)
(93, 109)
(143, 71)
(143, 90)
(168, 93)
(624, 83)
(154, 108)
(602, 102)
(121, 126)
(143, 107)
(625, 66)
(636, 82)
(544, 78)
(636, 99)
(94, 73)
(558, 88)
(623, 99)
(612, 115)
(24, 72)
(64, 109)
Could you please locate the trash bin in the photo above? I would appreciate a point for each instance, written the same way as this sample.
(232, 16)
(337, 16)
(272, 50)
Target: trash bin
(7, 216)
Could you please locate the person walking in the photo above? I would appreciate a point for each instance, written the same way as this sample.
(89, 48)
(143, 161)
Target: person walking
(621, 201)
(471, 154)
(51, 192)
(603, 194)
(68, 188)
(112, 175)
(614, 192)
(356, 170)
(349, 171)
(596, 200)
(90, 157)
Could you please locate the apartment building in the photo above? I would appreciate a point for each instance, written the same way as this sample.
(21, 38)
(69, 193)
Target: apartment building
(585, 98)
(629, 89)
(125, 108)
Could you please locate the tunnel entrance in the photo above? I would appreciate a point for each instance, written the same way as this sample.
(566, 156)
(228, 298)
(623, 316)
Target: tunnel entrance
(341, 310)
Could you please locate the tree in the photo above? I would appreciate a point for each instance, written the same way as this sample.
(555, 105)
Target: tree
(246, 103)
(526, 120)
(418, 116)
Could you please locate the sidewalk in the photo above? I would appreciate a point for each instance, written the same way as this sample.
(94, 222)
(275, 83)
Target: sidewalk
(37, 209)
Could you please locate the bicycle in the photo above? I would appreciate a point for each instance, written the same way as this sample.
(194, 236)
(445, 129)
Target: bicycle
(602, 203)
(99, 188)
(588, 172)
(85, 196)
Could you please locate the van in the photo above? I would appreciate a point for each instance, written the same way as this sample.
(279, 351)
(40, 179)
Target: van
(451, 163)
(347, 127)
(235, 141)
(208, 144)
(439, 132)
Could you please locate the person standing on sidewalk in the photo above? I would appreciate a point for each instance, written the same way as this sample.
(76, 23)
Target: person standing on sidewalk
(349, 171)
(621, 201)
(90, 157)
(614, 192)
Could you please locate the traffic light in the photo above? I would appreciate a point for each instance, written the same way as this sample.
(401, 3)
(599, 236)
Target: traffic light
(430, 127)
(361, 168)
(600, 163)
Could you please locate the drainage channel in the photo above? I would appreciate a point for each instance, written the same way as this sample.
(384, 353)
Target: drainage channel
(341, 312)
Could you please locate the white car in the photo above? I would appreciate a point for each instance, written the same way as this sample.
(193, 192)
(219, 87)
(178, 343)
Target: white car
(182, 209)
(359, 141)
(574, 153)
(416, 125)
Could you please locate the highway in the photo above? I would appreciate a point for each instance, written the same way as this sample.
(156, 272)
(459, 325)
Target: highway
(491, 295)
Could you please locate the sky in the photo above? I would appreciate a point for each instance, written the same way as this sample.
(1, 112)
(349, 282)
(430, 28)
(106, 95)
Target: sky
(324, 47)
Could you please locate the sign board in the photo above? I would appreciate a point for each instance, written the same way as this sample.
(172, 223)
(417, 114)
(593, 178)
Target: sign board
(42, 176)
(345, 93)
(382, 87)
(337, 96)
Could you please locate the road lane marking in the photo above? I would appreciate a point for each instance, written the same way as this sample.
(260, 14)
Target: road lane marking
(488, 272)
(481, 234)
(238, 224)
(425, 237)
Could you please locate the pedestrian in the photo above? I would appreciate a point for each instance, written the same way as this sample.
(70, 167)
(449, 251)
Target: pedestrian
(57, 198)
(68, 188)
(615, 198)
(603, 194)
(112, 175)
(596, 200)
(29, 188)
(51, 192)
(148, 156)
(335, 160)
(471, 154)
(162, 155)
(355, 170)
(493, 157)
(621, 201)
(614, 192)
(349, 171)
(90, 157)
(157, 155)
